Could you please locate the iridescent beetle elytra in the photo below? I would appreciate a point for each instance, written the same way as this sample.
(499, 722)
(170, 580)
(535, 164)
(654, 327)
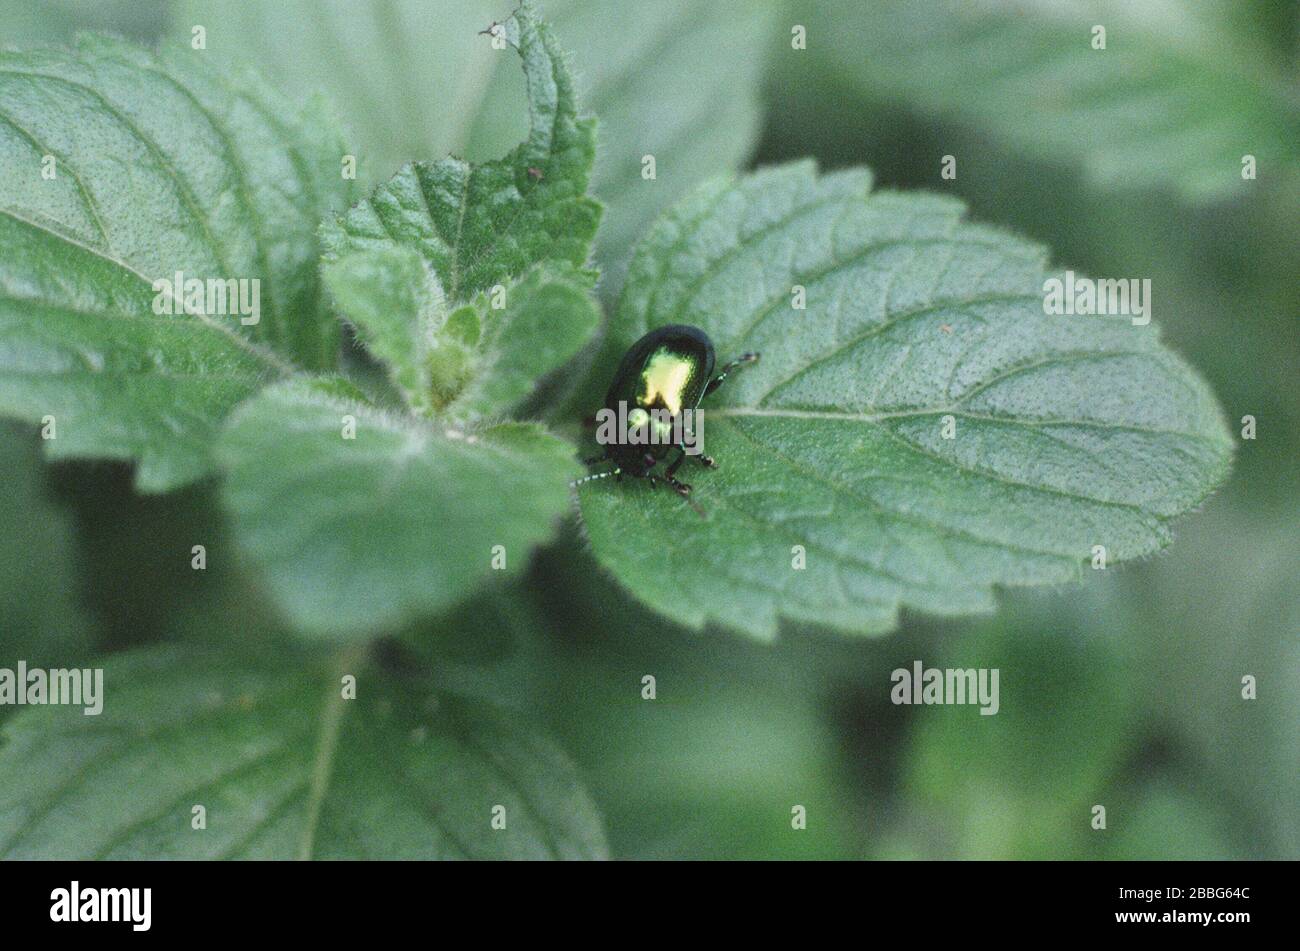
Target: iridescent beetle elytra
(660, 382)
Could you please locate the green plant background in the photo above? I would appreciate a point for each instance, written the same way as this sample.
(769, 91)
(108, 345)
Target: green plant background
(1124, 691)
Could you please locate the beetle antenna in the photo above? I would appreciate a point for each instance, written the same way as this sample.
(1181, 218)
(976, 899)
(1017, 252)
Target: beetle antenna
(743, 360)
(592, 478)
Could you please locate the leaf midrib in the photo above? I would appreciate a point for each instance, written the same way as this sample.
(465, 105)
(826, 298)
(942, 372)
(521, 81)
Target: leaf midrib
(197, 213)
(940, 529)
(955, 410)
(87, 199)
(326, 743)
(263, 354)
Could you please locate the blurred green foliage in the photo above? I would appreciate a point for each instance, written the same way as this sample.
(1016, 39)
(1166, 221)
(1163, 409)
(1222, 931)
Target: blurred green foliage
(1125, 692)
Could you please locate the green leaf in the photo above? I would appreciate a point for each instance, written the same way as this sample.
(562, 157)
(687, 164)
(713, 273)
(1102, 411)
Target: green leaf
(308, 503)
(1176, 98)
(414, 81)
(161, 164)
(394, 303)
(478, 361)
(284, 767)
(545, 319)
(1070, 431)
(677, 79)
(480, 225)
(464, 280)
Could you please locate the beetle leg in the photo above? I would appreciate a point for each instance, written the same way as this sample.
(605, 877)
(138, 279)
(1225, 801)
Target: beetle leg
(672, 469)
(593, 460)
(742, 360)
(678, 486)
(684, 490)
(707, 461)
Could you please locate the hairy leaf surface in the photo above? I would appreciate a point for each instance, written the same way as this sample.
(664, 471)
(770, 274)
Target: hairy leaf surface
(284, 768)
(119, 168)
(1069, 432)
(486, 356)
(414, 82)
(465, 281)
(309, 503)
(480, 225)
(546, 317)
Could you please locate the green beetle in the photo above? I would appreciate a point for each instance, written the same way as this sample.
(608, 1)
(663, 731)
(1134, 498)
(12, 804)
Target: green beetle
(655, 393)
